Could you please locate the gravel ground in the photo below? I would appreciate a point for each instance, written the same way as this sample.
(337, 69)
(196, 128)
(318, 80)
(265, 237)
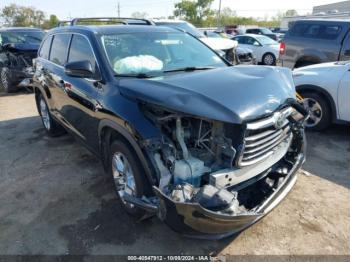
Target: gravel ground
(55, 199)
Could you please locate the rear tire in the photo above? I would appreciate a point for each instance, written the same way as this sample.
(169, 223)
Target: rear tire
(320, 111)
(7, 83)
(269, 59)
(52, 127)
(127, 174)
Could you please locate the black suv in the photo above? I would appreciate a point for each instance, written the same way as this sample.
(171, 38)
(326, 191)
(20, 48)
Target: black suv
(208, 147)
(18, 47)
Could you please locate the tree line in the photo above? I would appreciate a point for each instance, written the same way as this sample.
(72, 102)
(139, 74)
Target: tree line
(197, 12)
(17, 16)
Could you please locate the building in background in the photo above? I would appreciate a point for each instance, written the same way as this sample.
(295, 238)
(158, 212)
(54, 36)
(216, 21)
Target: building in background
(334, 8)
(339, 10)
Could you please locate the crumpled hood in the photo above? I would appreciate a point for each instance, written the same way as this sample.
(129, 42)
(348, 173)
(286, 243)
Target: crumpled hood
(230, 94)
(217, 43)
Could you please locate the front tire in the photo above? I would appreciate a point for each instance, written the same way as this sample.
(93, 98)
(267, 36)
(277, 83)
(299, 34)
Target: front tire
(51, 126)
(128, 176)
(319, 109)
(269, 59)
(7, 82)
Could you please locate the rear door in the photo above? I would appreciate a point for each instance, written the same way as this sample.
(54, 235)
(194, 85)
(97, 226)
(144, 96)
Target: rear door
(79, 104)
(55, 71)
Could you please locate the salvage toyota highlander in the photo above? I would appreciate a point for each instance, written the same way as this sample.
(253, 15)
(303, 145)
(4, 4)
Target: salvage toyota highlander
(208, 147)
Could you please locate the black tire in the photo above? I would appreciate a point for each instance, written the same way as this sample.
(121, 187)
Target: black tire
(7, 83)
(325, 115)
(52, 127)
(141, 183)
(273, 59)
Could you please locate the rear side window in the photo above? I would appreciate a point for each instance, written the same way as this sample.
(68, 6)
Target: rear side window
(319, 31)
(59, 49)
(80, 50)
(45, 48)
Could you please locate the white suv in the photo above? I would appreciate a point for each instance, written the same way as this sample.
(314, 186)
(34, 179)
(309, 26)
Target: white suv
(326, 92)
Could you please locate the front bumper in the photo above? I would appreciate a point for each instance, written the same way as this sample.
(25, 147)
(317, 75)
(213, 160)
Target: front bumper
(193, 220)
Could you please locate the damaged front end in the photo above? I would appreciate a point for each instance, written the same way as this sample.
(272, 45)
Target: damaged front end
(216, 178)
(20, 61)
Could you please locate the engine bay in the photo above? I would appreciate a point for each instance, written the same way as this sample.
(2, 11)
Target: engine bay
(193, 151)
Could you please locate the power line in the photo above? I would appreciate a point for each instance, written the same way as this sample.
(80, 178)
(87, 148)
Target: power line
(118, 9)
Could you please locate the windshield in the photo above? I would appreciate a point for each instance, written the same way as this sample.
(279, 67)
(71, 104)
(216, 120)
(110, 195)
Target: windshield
(25, 37)
(265, 40)
(157, 52)
(266, 31)
(184, 26)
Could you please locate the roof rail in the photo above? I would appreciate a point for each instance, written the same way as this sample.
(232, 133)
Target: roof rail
(118, 20)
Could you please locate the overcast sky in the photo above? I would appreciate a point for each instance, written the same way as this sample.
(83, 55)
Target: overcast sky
(156, 8)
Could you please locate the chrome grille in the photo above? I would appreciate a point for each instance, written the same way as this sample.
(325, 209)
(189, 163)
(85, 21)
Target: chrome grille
(264, 136)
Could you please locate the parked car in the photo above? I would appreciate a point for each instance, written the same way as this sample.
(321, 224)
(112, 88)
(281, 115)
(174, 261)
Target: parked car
(18, 47)
(243, 55)
(315, 41)
(264, 48)
(225, 46)
(325, 89)
(208, 147)
(262, 31)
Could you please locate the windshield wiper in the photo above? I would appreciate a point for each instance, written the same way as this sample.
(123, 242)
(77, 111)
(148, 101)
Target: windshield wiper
(189, 69)
(139, 75)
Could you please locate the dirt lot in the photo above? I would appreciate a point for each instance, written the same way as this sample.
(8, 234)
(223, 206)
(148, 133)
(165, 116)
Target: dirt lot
(54, 199)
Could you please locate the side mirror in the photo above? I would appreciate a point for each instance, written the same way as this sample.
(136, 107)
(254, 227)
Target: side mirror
(82, 69)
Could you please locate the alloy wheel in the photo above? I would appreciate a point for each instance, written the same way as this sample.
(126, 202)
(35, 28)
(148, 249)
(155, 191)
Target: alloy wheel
(123, 176)
(315, 111)
(45, 116)
(268, 59)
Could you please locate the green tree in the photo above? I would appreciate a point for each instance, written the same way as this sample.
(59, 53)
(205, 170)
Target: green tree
(15, 15)
(51, 22)
(291, 12)
(194, 11)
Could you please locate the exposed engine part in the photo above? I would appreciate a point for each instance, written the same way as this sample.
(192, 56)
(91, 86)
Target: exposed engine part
(198, 161)
(180, 138)
(216, 199)
(183, 193)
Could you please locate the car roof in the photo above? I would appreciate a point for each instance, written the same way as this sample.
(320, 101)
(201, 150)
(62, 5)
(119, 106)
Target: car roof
(111, 29)
(19, 29)
(253, 35)
(322, 20)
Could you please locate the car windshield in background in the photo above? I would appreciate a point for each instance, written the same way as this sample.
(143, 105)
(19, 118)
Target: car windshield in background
(266, 31)
(157, 53)
(264, 40)
(24, 37)
(184, 26)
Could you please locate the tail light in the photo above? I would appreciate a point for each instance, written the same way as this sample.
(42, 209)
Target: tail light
(282, 48)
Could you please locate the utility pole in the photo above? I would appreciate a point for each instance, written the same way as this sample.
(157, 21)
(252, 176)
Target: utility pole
(219, 14)
(118, 9)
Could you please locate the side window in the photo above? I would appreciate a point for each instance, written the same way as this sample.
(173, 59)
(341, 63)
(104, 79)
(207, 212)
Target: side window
(59, 49)
(80, 50)
(251, 41)
(45, 48)
(319, 31)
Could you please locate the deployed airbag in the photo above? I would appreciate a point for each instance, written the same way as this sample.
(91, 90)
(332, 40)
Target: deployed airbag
(137, 64)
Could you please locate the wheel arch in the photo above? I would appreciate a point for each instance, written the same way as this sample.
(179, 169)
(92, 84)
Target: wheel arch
(109, 130)
(307, 59)
(324, 93)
